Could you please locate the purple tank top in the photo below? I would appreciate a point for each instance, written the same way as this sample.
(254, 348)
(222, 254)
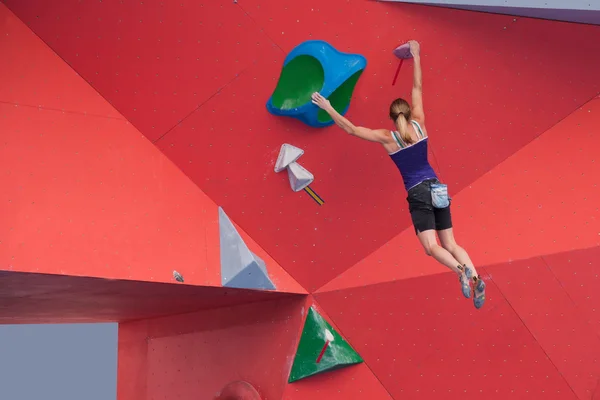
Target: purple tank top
(412, 160)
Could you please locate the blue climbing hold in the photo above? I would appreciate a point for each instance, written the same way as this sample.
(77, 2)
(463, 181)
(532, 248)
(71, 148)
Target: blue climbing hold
(315, 66)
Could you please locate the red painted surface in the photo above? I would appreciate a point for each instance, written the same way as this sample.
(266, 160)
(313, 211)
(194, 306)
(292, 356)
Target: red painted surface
(194, 356)
(579, 274)
(33, 75)
(148, 72)
(352, 383)
(541, 200)
(83, 192)
(554, 319)
(85, 195)
(423, 339)
(493, 83)
(238, 390)
(355, 382)
(42, 298)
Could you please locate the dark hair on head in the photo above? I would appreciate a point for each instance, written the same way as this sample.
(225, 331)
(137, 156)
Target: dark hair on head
(400, 107)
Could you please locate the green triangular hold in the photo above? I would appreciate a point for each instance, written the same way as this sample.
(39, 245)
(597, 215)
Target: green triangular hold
(321, 349)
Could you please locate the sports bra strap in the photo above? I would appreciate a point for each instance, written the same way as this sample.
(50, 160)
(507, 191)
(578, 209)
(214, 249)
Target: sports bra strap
(398, 140)
(419, 130)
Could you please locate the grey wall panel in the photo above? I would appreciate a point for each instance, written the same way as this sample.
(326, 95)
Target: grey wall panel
(579, 16)
(580, 11)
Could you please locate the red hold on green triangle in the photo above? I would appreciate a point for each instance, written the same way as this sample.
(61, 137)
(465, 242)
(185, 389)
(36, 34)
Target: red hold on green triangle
(321, 349)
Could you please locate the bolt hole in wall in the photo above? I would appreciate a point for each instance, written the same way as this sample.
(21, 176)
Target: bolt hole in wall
(58, 361)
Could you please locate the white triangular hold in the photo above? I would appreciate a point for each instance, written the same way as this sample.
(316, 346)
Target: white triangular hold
(287, 155)
(299, 176)
(240, 267)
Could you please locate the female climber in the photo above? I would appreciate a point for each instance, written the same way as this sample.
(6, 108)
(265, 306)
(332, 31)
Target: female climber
(428, 202)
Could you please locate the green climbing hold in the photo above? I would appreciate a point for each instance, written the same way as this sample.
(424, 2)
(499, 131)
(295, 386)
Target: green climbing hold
(315, 66)
(340, 98)
(321, 349)
(299, 79)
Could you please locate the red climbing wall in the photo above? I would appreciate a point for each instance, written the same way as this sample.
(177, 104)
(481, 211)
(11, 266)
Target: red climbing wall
(36, 298)
(541, 200)
(577, 272)
(537, 335)
(557, 322)
(512, 125)
(83, 192)
(193, 356)
(492, 84)
(355, 382)
(85, 195)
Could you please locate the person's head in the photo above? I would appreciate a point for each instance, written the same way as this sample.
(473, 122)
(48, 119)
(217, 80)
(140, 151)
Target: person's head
(400, 113)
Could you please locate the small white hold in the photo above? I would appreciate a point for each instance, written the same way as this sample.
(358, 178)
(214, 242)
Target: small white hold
(287, 155)
(299, 177)
(329, 335)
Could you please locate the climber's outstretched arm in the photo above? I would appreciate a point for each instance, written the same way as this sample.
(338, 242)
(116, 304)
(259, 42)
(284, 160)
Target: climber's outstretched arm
(418, 112)
(372, 135)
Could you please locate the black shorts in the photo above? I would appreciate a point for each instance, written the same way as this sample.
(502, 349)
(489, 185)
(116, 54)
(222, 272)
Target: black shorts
(424, 215)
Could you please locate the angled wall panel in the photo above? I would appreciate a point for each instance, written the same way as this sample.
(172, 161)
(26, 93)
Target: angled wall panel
(581, 11)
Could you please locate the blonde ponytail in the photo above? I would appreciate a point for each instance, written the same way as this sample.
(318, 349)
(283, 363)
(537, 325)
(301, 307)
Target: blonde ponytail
(400, 114)
(402, 125)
